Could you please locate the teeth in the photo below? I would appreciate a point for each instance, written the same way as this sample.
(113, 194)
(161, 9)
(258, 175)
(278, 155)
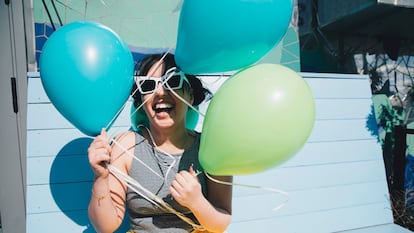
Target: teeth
(163, 105)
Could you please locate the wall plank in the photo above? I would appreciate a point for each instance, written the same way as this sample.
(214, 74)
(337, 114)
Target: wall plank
(335, 182)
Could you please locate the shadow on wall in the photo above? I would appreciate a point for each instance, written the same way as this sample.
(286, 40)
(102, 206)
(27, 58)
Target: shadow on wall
(371, 124)
(71, 183)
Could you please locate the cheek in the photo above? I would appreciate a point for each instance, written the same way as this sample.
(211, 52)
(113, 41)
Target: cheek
(147, 105)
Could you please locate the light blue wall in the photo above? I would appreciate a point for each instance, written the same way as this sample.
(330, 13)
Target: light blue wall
(336, 182)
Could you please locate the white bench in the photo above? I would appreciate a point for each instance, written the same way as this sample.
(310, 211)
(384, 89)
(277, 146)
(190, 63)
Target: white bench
(336, 183)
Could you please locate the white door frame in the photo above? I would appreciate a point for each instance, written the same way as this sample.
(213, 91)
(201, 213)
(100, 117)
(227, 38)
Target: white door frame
(17, 47)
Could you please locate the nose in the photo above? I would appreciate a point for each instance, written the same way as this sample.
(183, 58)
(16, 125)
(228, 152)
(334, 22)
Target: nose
(160, 89)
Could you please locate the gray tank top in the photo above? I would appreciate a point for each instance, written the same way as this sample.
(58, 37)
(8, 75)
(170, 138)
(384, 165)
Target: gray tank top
(145, 216)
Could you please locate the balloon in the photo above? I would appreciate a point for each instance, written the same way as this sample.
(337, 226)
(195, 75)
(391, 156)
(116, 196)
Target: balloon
(87, 72)
(140, 117)
(217, 36)
(259, 118)
(191, 119)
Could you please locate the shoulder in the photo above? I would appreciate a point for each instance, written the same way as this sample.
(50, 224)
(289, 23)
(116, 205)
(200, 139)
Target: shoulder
(123, 145)
(126, 139)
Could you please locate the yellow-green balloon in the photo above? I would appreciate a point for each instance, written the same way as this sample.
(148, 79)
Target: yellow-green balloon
(259, 118)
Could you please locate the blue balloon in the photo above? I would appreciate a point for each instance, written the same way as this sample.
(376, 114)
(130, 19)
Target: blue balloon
(87, 72)
(138, 117)
(191, 118)
(218, 36)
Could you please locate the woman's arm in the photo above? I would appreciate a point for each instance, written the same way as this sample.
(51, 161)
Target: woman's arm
(106, 207)
(107, 204)
(213, 212)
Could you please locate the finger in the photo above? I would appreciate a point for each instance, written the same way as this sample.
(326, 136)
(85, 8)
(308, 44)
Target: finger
(108, 148)
(99, 148)
(192, 172)
(99, 158)
(103, 132)
(101, 142)
(98, 141)
(187, 176)
(179, 178)
(176, 195)
(176, 186)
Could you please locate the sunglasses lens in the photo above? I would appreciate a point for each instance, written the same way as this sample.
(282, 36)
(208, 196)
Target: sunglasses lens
(147, 85)
(174, 82)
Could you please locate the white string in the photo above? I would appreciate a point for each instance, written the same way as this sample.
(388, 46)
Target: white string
(135, 186)
(187, 103)
(169, 89)
(134, 157)
(129, 180)
(148, 195)
(254, 186)
(123, 106)
(174, 160)
(158, 65)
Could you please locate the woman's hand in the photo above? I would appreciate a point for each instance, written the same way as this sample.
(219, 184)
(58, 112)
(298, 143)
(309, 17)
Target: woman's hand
(186, 189)
(99, 154)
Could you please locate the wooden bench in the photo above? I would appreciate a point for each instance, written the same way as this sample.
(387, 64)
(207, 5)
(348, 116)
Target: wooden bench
(336, 183)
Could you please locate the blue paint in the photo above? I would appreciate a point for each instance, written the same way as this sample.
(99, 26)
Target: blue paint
(66, 198)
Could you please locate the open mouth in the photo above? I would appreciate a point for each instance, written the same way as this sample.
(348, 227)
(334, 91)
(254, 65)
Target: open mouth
(163, 107)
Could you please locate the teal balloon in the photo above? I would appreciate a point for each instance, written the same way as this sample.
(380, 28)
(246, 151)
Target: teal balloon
(259, 118)
(87, 72)
(217, 36)
(140, 118)
(191, 118)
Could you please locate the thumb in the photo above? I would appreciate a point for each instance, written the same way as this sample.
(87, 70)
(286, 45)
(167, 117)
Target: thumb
(192, 172)
(103, 132)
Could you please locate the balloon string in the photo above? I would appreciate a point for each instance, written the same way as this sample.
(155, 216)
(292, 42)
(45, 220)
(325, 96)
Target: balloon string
(134, 157)
(170, 166)
(172, 91)
(255, 187)
(174, 159)
(135, 185)
(187, 103)
(158, 65)
(123, 106)
(129, 181)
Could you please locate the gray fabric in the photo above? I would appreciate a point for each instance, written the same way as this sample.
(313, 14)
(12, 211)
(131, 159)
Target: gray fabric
(143, 215)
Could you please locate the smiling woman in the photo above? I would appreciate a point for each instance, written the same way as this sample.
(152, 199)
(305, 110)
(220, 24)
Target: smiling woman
(166, 190)
(170, 79)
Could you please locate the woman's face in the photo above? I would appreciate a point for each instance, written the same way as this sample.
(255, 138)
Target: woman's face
(163, 108)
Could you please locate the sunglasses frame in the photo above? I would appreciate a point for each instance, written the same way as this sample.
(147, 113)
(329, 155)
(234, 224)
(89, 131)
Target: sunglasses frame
(163, 80)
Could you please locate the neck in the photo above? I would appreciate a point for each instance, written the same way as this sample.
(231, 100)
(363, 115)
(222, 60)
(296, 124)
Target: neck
(172, 140)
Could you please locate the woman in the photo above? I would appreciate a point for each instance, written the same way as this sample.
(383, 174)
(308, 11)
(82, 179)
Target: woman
(165, 163)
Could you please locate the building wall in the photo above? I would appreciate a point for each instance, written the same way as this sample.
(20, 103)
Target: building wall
(146, 26)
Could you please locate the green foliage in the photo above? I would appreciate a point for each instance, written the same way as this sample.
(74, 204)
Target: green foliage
(388, 119)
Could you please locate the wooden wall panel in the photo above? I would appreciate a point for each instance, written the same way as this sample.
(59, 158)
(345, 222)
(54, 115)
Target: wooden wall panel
(335, 182)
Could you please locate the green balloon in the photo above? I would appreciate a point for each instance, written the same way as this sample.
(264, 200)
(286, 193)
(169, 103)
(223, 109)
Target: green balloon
(259, 118)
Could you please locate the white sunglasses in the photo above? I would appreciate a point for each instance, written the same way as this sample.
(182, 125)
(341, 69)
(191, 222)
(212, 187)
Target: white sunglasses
(173, 79)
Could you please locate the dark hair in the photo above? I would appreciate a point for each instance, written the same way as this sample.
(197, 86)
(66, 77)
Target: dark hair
(199, 92)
